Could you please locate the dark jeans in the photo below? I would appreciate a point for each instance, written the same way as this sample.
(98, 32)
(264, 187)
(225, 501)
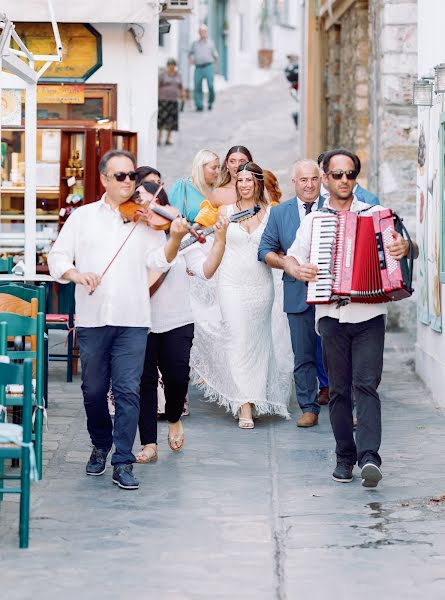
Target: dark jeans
(170, 352)
(304, 346)
(115, 353)
(353, 354)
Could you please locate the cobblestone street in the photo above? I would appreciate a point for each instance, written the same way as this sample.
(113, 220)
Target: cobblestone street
(238, 514)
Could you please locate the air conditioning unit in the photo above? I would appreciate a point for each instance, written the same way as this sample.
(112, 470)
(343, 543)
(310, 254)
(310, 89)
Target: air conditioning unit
(176, 9)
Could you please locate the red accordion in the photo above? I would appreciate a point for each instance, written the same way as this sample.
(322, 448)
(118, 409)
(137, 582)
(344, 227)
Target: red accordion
(351, 252)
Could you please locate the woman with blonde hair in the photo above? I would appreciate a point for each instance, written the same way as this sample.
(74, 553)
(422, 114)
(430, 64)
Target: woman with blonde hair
(188, 194)
(225, 191)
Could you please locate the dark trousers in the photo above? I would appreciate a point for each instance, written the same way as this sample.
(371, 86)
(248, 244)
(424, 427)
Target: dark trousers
(353, 354)
(115, 353)
(170, 352)
(304, 346)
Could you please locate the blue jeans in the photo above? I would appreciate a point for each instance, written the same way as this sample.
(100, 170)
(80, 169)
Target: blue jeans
(307, 359)
(201, 73)
(112, 353)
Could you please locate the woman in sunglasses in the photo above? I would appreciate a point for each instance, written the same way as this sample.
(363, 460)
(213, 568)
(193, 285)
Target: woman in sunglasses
(171, 335)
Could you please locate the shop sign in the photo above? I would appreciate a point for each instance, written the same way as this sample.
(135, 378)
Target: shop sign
(61, 94)
(82, 50)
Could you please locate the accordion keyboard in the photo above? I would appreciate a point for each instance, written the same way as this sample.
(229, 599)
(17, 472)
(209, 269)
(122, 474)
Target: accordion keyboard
(324, 233)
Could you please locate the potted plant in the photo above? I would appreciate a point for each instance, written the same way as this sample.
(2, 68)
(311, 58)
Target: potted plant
(265, 53)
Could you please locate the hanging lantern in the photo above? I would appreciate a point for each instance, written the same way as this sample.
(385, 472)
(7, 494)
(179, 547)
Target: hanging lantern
(422, 93)
(439, 78)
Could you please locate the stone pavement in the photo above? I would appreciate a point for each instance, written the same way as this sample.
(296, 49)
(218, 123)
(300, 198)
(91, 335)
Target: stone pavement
(238, 514)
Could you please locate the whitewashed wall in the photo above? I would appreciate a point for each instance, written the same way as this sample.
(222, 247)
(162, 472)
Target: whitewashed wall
(430, 347)
(136, 75)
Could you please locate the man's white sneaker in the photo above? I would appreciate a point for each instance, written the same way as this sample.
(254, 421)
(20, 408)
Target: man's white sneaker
(371, 475)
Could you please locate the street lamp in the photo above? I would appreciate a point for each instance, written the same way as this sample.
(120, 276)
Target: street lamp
(439, 78)
(423, 92)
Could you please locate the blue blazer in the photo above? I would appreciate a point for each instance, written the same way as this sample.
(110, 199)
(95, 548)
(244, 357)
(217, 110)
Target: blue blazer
(279, 234)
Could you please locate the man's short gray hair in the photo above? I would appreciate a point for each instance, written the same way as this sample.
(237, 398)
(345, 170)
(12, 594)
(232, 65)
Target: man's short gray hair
(305, 162)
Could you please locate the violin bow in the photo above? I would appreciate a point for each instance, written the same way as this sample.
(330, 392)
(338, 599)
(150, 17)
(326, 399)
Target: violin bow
(124, 242)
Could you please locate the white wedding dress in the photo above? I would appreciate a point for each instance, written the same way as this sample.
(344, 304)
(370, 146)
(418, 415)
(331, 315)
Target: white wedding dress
(233, 358)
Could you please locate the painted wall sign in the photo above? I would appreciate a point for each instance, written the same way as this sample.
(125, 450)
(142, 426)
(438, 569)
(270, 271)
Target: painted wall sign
(61, 94)
(82, 49)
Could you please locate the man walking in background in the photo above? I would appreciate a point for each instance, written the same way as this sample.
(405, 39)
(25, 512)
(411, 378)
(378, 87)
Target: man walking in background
(203, 55)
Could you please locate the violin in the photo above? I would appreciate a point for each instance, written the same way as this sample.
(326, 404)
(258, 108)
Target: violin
(160, 216)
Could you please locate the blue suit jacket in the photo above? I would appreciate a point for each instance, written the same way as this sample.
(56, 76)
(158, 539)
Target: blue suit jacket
(279, 234)
(365, 195)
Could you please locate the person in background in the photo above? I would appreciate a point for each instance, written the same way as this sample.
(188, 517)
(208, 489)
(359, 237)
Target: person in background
(272, 186)
(170, 91)
(225, 192)
(360, 192)
(203, 55)
(188, 194)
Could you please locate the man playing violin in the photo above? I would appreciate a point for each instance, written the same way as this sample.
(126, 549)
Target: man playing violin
(108, 260)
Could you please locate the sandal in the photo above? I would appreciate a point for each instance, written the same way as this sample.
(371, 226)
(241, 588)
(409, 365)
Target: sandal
(176, 442)
(148, 454)
(244, 423)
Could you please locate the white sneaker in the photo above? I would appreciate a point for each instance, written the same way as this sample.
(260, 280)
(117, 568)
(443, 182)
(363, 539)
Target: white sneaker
(371, 475)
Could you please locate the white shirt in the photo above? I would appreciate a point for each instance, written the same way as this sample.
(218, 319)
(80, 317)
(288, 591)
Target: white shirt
(88, 241)
(302, 210)
(354, 312)
(170, 305)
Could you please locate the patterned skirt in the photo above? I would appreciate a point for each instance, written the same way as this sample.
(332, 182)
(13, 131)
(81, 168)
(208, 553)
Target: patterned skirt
(168, 114)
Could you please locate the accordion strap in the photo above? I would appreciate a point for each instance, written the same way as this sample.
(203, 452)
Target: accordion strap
(400, 228)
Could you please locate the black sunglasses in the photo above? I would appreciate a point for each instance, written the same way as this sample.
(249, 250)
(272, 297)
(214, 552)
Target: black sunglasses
(121, 176)
(337, 175)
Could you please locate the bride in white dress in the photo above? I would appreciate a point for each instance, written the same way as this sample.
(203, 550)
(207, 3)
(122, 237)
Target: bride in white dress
(232, 358)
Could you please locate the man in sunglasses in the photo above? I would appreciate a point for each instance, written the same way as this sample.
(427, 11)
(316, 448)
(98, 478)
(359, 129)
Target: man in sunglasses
(352, 335)
(107, 259)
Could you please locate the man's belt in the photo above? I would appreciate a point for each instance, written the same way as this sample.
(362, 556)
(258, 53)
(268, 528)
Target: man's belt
(204, 65)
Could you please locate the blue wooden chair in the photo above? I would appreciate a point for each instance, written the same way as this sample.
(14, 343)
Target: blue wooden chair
(28, 327)
(16, 440)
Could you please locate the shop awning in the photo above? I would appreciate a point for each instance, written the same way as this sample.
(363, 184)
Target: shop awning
(81, 11)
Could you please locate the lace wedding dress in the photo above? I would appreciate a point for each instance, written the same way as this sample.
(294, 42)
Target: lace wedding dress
(232, 357)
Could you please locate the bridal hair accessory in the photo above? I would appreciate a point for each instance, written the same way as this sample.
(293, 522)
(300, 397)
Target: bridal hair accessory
(245, 167)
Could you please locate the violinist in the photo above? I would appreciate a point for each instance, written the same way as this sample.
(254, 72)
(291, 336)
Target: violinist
(170, 339)
(108, 260)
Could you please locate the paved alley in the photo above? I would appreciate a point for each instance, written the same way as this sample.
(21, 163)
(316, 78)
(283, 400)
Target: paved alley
(239, 515)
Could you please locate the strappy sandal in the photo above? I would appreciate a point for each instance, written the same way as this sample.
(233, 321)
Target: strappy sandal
(245, 423)
(148, 454)
(176, 442)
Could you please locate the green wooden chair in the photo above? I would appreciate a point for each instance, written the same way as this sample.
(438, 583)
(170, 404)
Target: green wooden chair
(28, 291)
(64, 319)
(6, 265)
(16, 440)
(19, 326)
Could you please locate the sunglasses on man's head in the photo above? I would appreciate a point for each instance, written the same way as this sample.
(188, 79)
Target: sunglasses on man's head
(337, 175)
(121, 176)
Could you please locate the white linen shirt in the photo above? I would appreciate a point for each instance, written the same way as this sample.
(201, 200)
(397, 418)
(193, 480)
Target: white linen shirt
(171, 307)
(88, 241)
(354, 312)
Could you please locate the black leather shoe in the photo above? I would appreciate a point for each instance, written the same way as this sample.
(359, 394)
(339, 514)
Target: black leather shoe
(124, 478)
(98, 462)
(371, 475)
(343, 473)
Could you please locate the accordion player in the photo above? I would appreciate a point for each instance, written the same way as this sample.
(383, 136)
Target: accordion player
(350, 250)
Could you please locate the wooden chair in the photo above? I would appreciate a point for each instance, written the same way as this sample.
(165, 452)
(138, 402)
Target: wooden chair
(6, 265)
(16, 441)
(27, 327)
(26, 292)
